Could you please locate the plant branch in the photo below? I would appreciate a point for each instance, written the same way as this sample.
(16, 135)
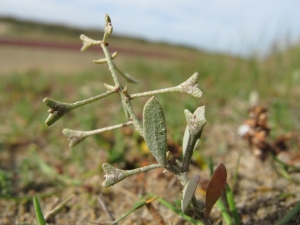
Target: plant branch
(125, 100)
(127, 76)
(88, 42)
(190, 86)
(77, 136)
(59, 109)
(104, 60)
(114, 175)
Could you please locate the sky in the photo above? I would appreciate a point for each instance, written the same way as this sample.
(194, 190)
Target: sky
(239, 27)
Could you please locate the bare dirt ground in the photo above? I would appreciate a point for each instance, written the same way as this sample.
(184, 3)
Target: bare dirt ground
(257, 192)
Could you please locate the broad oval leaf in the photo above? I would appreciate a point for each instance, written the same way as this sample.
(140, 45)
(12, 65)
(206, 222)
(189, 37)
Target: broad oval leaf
(215, 188)
(155, 130)
(188, 192)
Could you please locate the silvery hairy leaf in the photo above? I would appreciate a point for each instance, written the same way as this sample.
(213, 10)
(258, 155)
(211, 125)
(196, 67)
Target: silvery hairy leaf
(155, 130)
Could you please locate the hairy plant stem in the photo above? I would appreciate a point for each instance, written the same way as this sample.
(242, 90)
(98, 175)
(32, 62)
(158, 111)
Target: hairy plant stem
(114, 175)
(175, 168)
(155, 92)
(101, 130)
(59, 109)
(189, 152)
(76, 136)
(126, 101)
(189, 86)
(92, 99)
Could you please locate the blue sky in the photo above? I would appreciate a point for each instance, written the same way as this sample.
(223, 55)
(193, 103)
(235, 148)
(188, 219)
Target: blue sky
(231, 26)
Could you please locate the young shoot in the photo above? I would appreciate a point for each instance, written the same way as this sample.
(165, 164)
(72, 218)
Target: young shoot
(152, 128)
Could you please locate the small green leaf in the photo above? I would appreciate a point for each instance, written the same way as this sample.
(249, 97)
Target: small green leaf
(38, 211)
(215, 188)
(127, 76)
(155, 130)
(57, 110)
(290, 215)
(74, 136)
(188, 192)
(190, 86)
(196, 122)
(231, 204)
(112, 175)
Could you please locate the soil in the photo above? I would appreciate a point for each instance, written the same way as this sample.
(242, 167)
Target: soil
(259, 191)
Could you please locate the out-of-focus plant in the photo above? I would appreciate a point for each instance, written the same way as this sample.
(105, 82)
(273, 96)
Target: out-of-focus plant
(153, 129)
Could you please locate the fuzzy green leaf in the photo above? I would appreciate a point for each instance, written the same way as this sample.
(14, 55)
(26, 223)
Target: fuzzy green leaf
(196, 122)
(57, 110)
(188, 192)
(112, 175)
(155, 130)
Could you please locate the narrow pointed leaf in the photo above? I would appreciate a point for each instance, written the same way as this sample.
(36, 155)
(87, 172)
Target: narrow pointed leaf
(38, 211)
(290, 215)
(129, 78)
(188, 192)
(136, 206)
(231, 204)
(215, 188)
(155, 130)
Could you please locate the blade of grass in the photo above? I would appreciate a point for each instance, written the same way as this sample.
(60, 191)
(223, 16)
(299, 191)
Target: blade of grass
(294, 168)
(236, 171)
(232, 207)
(58, 208)
(288, 217)
(210, 166)
(284, 173)
(179, 212)
(136, 206)
(50, 172)
(224, 212)
(38, 211)
(104, 207)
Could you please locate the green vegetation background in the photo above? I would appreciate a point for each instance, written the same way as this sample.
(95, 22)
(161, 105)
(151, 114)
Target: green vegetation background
(25, 141)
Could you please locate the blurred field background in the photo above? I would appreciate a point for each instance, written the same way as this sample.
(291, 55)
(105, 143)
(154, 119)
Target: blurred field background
(38, 61)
